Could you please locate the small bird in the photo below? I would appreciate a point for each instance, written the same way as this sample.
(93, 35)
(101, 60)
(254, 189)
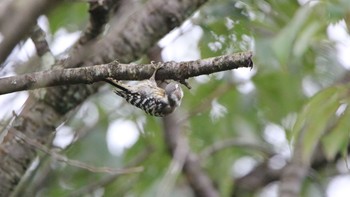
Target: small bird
(149, 97)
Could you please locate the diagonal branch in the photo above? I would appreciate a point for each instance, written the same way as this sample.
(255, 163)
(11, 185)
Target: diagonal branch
(20, 17)
(72, 162)
(38, 37)
(118, 71)
(151, 21)
(108, 179)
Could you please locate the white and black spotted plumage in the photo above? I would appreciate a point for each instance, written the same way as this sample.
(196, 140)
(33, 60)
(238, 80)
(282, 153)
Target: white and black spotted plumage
(147, 96)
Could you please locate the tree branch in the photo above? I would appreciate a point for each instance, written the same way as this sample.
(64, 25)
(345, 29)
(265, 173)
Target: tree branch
(38, 37)
(128, 42)
(108, 179)
(256, 179)
(99, 16)
(263, 174)
(199, 181)
(20, 17)
(232, 143)
(118, 71)
(72, 162)
(296, 170)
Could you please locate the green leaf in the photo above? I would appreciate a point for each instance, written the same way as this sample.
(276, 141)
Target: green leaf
(337, 9)
(311, 108)
(68, 15)
(315, 118)
(305, 38)
(278, 94)
(338, 138)
(283, 44)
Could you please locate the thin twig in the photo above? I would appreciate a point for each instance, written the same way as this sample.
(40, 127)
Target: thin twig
(234, 142)
(111, 177)
(99, 15)
(75, 163)
(38, 37)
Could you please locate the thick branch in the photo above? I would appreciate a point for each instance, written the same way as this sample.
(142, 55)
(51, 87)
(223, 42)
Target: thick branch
(127, 42)
(87, 75)
(20, 15)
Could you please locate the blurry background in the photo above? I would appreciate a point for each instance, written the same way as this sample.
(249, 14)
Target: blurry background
(236, 122)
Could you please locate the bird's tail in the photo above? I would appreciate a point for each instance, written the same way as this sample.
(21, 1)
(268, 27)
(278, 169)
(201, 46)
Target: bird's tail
(116, 84)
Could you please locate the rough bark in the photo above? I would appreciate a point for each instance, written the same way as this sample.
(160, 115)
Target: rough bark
(170, 70)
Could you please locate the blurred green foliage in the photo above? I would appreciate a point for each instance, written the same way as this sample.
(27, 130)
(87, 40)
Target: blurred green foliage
(292, 54)
(71, 16)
